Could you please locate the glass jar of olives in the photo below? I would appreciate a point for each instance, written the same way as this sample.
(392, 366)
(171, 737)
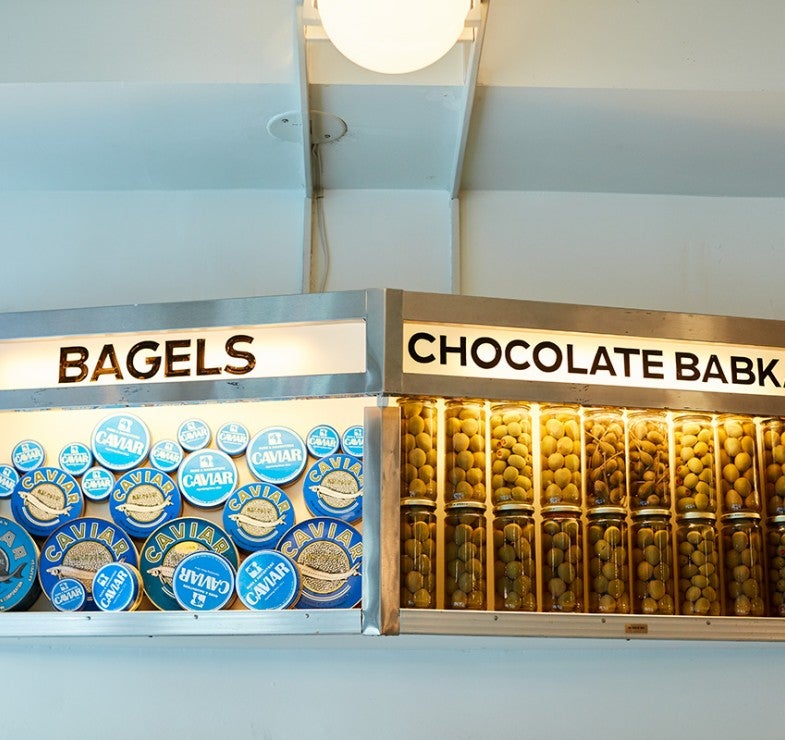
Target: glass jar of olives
(738, 464)
(649, 460)
(773, 439)
(604, 457)
(560, 455)
(775, 554)
(561, 561)
(698, 553)
(465, 559)
(742, 550)
(464, 441)
(418, 448)
(511, 454)
(609, 570)
(515, 569)
(418, 553)
(652, 563)
(693, 463)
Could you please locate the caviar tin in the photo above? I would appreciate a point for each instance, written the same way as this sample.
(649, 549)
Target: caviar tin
(232, 438)
(75, 458)
(166, 455)
(8, 480)
(19, 587)
(28, 455)
(46, 498)
(334, 487)
(257, 515)
(268, 579)
(172, 542)
(97, 483)
(353, 440)
(328, 554)
(204, 581)
(143, 499)
(121, 442)
(117, 587)
(68, 595)
(207, 478)
(276, 455)
(193, 434)
(322, 440)
(78, 549)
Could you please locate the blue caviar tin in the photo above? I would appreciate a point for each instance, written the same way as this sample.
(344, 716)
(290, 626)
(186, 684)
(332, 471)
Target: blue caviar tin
(46, 498)
(276, 455)
(334, 487)
(68, 595)
(19, 586)
(8, 480)
(267, 579)
(193, 434)
(207, 478)
(172, 542)
(166, 455)
(121, 442)
(204, 581)
(322, 440)
(328, 553)
(353, 440)
(117, 587)
(257, 515)
(97, 483)
(75, 458)
(232, 438)
(143, 499)
(78, 549)
(28, 455)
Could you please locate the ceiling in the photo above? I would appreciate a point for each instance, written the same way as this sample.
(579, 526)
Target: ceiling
(615, 96)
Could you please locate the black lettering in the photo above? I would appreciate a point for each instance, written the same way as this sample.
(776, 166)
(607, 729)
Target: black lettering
(200, 368)
(767, 372)
(686, 366)
(153, 362)
(626, 353)
(602, 361)
(411, 346)
(459, 350)
(571, 368)
(475, 352)
(172, 356)
(741, 371)
(557, 356)
(652, 360)
(107, 354)
(514, 344)
(68, 362)
(238, 354)
(714, 370)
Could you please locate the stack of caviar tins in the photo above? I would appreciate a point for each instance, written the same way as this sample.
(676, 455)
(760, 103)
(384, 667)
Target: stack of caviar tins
(742, 551)
(738, 470)
(609, 573)
(515, 564)
(698, 556)
(560, 456)
(775, 554)
(561, 540)
(693, 463)
(649, 460)
(511, 455)
(652, 562)
(604, 457)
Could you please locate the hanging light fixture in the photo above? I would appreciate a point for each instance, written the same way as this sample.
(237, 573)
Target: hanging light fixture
(393, 36)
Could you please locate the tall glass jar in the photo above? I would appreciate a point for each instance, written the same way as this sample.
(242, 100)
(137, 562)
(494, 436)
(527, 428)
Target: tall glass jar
(775, 554)
(511, 454)
(418, 448)
(464, 429)
(652, 563)
(515, 564)
(418, 554)
(742, 549)
(560, 455)
(649, 456)
(465, 556)
(698, 549)
(773, 437)
(738, 464)
(693, 463)
(609, 570)
(561, 562)
(604, 457)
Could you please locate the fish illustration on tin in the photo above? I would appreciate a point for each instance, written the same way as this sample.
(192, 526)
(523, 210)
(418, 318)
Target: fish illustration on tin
(251, 521)
(17, 574)
(308, 572)
(31, 499)
(128, 508)
(68, 571)
(162, 572)
(326, 491)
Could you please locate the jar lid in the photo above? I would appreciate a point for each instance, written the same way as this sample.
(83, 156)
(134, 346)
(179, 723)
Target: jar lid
(561, 509)
(512, 405)
(513, 508)
(779, 519)
(683, 415)
(461, 505)
(426, 502)
(696, 515)
(740, 516)
(607, 510)
(641, 513)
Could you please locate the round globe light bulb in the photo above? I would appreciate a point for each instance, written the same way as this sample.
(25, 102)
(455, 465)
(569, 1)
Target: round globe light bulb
(393, 36)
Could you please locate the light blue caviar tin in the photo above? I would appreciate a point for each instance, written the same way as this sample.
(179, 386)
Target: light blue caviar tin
(204, 581)
(232, 438)
(267, 579)
(97, 483)
(68, 595)
(166, 455)
(353, 440)
(193, 434)
(322, 441)
(334, 487)
(143, 499)
(28, 455)
(117, 587)
(328, 553)
(46, 498)
(75, 458)
(8, 480)
(207, 478)
(19, 587)
(276, 455)
(257, 515)
(121, 442)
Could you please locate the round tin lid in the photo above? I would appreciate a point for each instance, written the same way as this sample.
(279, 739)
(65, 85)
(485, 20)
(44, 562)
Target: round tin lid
(322, 440)
(267, 579)
(121, 442)
(18, 567)
(232, 438)
(334, 487)
(257, 515)
(193, 434)
(68, 595)
(207, 478)
(75, 458)
(328, 553)
(117, 587)
(28, 455)
(166, 455)
(353, 440)
(8, 480)
(203, 581)
(607, 511)
(78, 549)
(143, 499)
(172, 542)
(276, 455)
(97, 483)
(46, 498)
